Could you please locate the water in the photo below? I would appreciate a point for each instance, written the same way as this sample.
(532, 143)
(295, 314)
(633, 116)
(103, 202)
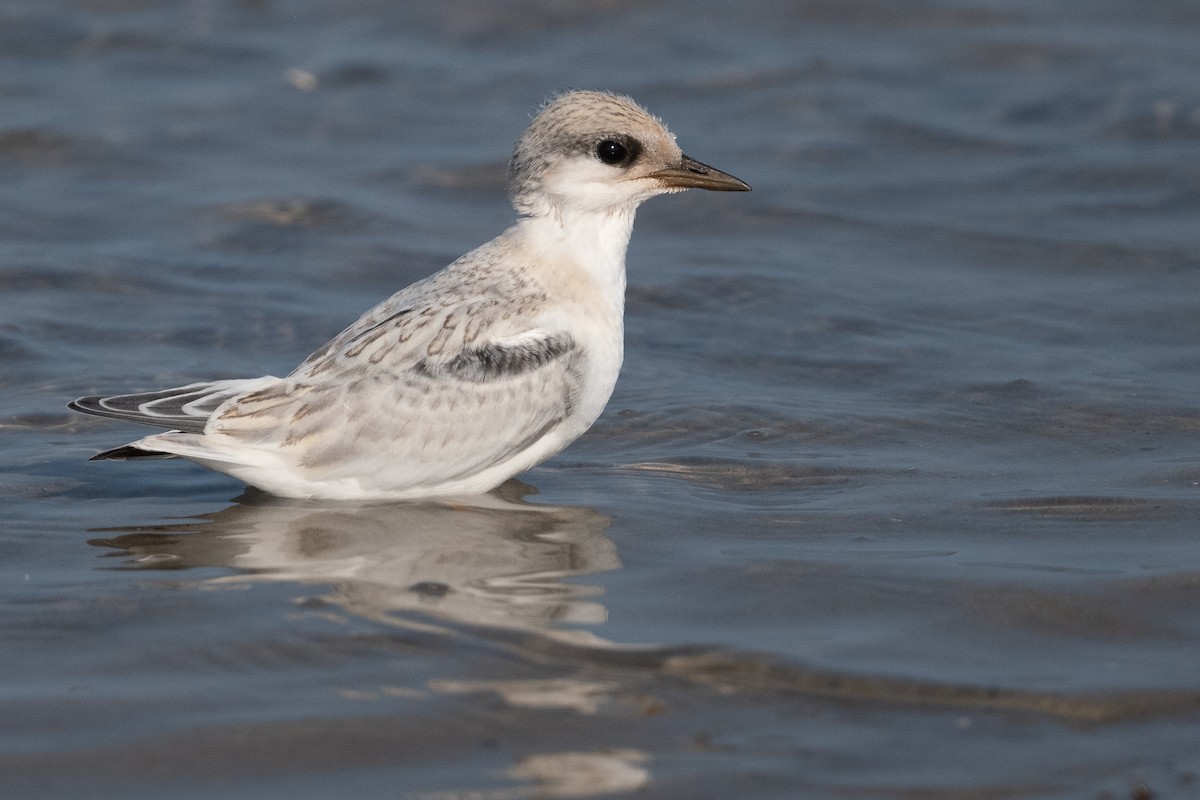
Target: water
(897, 496)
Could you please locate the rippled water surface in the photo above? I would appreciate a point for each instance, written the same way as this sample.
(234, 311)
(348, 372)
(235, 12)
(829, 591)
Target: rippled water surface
(898, 496)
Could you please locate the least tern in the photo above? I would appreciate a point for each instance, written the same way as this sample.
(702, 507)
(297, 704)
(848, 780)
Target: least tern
(472, 375)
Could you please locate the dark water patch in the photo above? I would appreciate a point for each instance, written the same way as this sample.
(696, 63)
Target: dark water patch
(1164, 120)
(386, 266)
(734, 673)
(995, 425)
(408, 746)
(164, 483)
(1111, 177)
(293, 652)
(40, 150)
(1175, 476)
(93, 277)
(728, 672)
(866, 14)
(1079, 419)
(1180, 201)
(1157, 610)
(1096, 508)
(41, 278)
(746, 474)
(1058, 614)
(1009, 251)
(808, 372)
(1061, 256)
(708, 293)
(918, 137)
(319, 213)
(1020, 56)
(134, 334)
(12, 346)
(1086, 418)
(478, 23)
(482, 180)
(256, 239)
(1061, 410)
(107, 39)
(678, 426)
(19, 223)
(35, 486)
(26, 34)
(752, 81)
(40, 421)
(1076, 105)
(158, 53)
(355, 73)
(1018, 389)
(1168, 599)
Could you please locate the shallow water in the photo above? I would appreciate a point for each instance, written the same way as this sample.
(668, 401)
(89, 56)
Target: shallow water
(897, 496)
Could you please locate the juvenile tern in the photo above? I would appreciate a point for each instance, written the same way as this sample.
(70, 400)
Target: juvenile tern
(472, 375)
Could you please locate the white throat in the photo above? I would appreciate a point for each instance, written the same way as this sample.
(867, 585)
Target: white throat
(593, 241)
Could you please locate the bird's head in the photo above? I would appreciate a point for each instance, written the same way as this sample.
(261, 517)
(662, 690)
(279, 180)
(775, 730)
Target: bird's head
(595, 152)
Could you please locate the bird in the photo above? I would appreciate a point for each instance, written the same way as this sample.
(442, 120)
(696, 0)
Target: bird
(472, 375)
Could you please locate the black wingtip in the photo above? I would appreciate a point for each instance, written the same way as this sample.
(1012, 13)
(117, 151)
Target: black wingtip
(161, 409)
(129, 453)
(81, 404)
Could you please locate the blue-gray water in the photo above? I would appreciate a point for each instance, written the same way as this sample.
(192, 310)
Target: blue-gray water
(898, 496)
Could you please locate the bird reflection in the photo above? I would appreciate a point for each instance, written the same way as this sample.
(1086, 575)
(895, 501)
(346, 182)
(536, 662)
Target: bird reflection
(494, 560)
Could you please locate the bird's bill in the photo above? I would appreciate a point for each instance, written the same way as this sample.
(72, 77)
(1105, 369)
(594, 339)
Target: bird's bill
(691, 174)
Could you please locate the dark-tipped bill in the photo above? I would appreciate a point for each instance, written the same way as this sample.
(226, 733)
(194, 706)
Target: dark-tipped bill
(691, 174)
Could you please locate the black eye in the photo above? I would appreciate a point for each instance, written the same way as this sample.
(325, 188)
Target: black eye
(611, 152)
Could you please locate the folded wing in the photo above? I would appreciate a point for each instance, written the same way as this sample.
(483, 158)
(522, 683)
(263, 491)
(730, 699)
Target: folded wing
(431, 421)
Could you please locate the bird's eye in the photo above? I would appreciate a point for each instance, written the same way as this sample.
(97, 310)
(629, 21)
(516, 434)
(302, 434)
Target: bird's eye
(611, 152)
